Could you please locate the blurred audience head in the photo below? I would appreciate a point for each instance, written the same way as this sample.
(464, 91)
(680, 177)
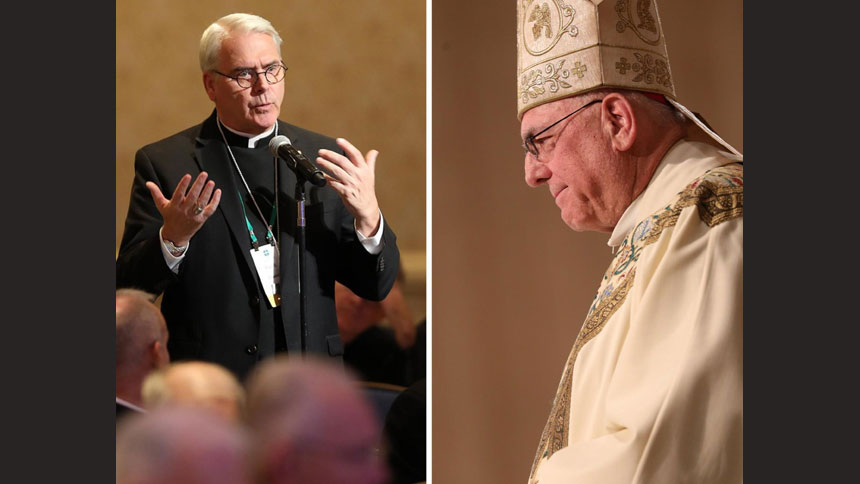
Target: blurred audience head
(180, 446)
(196, 384)
(355, 314)
(141, 341)
(311, 424)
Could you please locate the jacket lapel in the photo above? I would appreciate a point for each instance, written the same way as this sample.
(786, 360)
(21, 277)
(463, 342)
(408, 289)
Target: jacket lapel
(212, 157)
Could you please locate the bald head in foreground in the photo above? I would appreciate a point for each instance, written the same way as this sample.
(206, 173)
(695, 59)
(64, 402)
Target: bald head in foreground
(311, 424)
(180, 446)
(141, 344)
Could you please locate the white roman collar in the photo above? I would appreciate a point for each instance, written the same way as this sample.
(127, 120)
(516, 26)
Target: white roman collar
(252, 138)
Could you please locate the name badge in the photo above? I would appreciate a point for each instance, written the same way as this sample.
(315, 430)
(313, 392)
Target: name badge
(266, 259)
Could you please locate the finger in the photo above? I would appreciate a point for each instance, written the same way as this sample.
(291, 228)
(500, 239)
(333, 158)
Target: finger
(339, 187)
(213, 204)
(157, 196)
(351, 151)
(206, 194)
(334, 169)
(338, 159)
(196, 188)
(179, 192)
(371, 159)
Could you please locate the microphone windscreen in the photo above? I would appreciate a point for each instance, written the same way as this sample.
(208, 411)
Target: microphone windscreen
(276, 143)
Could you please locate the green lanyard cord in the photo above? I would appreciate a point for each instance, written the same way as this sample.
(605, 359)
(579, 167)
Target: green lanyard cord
(269, 236)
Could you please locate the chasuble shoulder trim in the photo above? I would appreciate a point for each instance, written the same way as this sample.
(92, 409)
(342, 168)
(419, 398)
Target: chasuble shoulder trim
(718, 195)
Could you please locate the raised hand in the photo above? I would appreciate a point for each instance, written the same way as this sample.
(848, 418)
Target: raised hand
(184, 213)
(352, 177)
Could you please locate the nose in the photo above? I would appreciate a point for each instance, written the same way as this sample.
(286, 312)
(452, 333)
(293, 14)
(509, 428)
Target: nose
(537, 173)
(261, 84)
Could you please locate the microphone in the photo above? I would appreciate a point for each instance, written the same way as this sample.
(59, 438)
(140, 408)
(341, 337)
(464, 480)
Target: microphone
(281, 147)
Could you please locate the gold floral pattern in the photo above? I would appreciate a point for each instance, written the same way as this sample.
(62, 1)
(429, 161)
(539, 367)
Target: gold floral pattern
(650, 69)
(536, 81)
(718, 196)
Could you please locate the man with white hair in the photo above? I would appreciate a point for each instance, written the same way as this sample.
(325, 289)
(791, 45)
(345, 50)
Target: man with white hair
(652, 388)
(310, 424)
(197, 384)
(223, 249)
(141, 346)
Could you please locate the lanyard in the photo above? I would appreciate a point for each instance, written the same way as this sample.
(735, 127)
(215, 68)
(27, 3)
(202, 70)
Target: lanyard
(270, 237)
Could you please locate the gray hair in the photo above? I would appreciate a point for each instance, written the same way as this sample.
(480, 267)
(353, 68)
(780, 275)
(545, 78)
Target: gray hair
(138, 324)
(201, 383)
(242, 23)
(665, 114)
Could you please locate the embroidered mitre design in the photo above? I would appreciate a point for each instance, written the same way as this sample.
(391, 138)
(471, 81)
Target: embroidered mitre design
(718, 196)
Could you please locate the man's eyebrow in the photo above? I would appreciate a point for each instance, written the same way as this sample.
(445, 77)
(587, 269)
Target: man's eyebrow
(251, 68)
(530, 134)
(527, 134)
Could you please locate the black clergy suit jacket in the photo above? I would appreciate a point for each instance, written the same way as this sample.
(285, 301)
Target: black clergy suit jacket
(215, 306)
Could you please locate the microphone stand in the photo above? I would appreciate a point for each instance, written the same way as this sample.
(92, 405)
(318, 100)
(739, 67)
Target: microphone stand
(301, 179)
(300, 235)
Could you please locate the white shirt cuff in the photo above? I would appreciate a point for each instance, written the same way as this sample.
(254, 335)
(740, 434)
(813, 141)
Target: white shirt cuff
(372, 245)
(172, 262)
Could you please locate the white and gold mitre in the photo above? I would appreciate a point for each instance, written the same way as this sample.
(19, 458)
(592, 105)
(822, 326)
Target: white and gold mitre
(567, 47)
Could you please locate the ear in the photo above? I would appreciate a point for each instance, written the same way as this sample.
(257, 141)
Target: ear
(209, 85)
(158, 355)
(619, 121)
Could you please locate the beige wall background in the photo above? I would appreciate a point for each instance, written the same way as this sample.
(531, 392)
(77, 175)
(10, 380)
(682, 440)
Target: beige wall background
(511, 283)
(356, 70)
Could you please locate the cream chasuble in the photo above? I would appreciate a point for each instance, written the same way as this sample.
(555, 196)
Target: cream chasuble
(652, 391)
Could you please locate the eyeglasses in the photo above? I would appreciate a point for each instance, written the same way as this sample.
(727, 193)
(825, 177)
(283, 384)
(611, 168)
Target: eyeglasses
(248, 77)
(530, 145)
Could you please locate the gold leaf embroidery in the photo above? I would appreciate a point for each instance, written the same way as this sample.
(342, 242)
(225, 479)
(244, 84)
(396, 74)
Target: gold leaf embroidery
(555, 433)
(718, 196)
(552, 76)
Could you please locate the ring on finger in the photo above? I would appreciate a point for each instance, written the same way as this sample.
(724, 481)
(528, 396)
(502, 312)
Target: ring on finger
(198, 210)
